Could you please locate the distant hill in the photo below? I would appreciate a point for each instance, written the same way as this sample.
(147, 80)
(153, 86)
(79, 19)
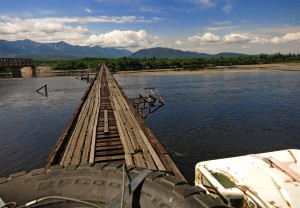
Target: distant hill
(173, 53)
(229, 54)
(62, 50)
(59, 50)
(167, 53)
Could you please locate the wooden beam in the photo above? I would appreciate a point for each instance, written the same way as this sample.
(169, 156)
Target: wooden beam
(106, 122)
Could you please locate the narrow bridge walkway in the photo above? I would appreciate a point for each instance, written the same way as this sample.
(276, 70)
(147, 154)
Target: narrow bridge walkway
(106, 128)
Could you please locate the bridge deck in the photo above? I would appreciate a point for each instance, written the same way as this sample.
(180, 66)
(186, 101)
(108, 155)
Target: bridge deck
(106, 128)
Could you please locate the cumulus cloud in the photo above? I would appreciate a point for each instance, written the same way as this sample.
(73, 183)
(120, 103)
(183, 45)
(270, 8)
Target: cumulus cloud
(237, 38)
(289, 37)
(244, 38)
(73, 30)
(123, 39)
(206, 37)
(41, 29)
(178, 42)
(259, 40)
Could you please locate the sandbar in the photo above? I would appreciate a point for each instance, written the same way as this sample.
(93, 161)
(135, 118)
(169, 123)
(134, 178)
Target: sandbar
(218, 69)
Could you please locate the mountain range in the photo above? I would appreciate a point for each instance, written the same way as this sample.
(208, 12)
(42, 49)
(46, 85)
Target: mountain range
(173, 53)
(62, 50)
(59, 50)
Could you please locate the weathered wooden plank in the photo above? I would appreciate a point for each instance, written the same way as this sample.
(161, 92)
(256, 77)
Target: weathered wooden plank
(106, 122)
(110, 135)
(153, 141)
(109, 147)
(116, 103)
(82, 136)
(133, 129)
(123, 135)
(133, 125)
(174, 168)
(128, 129)
(128, 159)
(89, 135)
(113, 139)
(93, 143)
(109, 158)
(139, 160)
(67, 157)
(110, 152)
(137, 138)
(108, 143)
(149, 161)
(154, 155)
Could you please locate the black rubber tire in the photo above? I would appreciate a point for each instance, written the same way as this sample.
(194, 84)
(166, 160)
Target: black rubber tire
(100, 184)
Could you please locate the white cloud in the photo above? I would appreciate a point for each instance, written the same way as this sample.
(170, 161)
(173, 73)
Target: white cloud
(207, 3)
(68, 29)
(178, 42)
(237, 38)
(204, 3)
(227, 8)
(288, 37)
(276, 40)
(41, 29)
(149, 9)
(248, 43)
(259, 40)
(206, 37)
(245, 46)
(62, 20)
(88, 10)
(123, 39)
(226, 22)
(220, 28)
(244, 38)
(115, 19)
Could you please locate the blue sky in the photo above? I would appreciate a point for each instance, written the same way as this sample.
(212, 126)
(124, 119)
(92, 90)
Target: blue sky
(210, 26)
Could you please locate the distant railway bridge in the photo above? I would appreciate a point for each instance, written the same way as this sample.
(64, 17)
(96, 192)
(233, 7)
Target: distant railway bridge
(15, 62)
(15, 65)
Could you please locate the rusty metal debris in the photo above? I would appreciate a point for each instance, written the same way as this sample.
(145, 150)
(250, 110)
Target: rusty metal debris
(148, 101)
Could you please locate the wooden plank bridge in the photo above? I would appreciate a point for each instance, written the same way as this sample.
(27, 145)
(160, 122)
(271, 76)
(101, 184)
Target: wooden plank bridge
(106, 128)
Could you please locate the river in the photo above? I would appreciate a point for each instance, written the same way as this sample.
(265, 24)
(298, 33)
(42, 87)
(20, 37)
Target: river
(206, 116)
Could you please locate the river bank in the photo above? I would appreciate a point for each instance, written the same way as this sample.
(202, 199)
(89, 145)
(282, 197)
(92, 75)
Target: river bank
(219, 69)
(47, 71)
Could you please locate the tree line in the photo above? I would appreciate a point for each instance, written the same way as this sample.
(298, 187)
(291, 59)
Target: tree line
(125, 64)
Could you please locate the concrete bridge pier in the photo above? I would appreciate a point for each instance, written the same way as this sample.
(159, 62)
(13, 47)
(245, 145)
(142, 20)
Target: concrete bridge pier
(24, 72)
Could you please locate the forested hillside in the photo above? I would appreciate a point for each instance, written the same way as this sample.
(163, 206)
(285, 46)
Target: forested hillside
(123, 64)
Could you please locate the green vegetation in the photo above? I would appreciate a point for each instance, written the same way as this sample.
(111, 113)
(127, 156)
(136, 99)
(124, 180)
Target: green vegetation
(84, 63)
(123, 64)
(5, 73)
